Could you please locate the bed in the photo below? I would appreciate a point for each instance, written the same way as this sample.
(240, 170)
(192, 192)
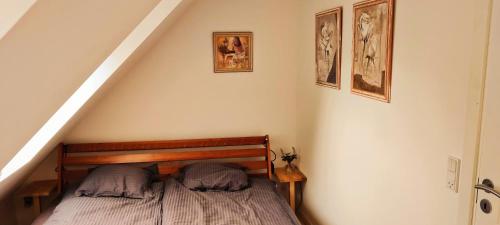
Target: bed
(172, 203)
(258, 205)
(108, 210)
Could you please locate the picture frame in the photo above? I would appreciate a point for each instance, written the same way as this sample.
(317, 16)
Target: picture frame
(328, 49)
(233, 52)
(371, 71)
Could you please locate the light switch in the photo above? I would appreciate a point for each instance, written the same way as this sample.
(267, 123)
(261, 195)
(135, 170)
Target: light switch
(452, 164)
(453, 173)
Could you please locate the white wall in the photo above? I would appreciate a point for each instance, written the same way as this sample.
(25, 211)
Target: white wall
(173, 93)
(375, 163)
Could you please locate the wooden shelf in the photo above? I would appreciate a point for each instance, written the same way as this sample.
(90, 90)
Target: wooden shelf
(41, 188)
(36, 190)
(290, 177)
(285, 177)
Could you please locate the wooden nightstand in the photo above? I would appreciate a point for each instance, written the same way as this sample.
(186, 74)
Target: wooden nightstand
(290, 177)
(36, 190)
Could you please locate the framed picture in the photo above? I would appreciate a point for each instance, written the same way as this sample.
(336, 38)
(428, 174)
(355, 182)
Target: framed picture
(233, 52)
(372, 49)
(328, 47)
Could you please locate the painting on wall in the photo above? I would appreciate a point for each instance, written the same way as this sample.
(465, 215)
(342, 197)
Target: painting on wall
(328, 47)
(372, 49)
(233, 52)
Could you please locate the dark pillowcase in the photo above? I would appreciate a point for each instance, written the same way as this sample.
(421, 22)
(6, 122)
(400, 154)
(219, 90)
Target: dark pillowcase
(214, 176)
(117, 181)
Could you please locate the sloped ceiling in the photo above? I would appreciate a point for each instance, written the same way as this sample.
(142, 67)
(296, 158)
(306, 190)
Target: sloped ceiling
(51, 52)
(11, 11)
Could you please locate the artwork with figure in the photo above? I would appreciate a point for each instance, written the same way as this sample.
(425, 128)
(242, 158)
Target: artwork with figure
(372, 49)
(328, 45)
(233, 52)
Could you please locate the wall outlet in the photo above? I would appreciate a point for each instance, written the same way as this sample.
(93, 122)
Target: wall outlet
(453, 174)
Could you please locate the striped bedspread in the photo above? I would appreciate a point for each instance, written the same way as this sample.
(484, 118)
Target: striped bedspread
(258, 205)
(108, 210)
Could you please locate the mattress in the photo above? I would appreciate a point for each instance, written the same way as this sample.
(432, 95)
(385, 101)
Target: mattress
(108, 210)
(260, 204)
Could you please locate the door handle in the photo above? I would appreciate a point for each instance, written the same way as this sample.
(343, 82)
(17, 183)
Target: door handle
(487, 189)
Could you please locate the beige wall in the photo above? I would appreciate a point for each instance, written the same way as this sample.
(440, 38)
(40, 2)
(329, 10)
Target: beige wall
(39, 74)
(11, 11)
(44, 58)
(374, 163)
(367, 162)
(173, 93)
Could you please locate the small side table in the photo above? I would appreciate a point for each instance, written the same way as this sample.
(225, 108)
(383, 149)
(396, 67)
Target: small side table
(36, 190)
(290, 177)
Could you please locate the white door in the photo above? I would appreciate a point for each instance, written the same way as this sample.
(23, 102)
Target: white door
(487, 207)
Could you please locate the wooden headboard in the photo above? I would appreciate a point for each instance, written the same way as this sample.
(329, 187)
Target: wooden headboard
(252, 153)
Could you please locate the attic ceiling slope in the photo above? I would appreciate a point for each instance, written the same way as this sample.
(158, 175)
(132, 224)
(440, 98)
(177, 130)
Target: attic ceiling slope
(42, 142)
(12, 11)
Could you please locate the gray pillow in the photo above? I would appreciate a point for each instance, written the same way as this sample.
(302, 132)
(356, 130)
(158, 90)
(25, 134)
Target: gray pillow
(214, 176)
(116, 181)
